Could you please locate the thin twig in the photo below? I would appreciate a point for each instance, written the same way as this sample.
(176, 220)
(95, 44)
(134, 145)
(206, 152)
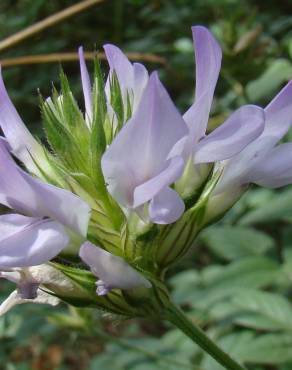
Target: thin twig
(71, 56)
(46, 23)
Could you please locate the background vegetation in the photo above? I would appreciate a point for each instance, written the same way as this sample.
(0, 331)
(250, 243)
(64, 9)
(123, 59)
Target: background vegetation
(236, 282)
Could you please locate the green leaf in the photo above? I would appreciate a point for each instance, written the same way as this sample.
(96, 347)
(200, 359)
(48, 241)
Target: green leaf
(253, 272)
(233, 242)
(279, 71)
(272, 307)
(268, 349)
(233, 344)
(275, 210)
(216, 283)
(246, 347)
(183, 346)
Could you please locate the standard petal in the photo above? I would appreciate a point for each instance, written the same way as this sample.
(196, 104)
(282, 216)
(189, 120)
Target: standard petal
(86, 86)
(119, 63)
(141, 78)
(140, 150)
(145, 192)
(241, 128)
(22, 143)
(113, 271)
(133, 78)
(166, 207)
(275, 169)
(208, 63)
(15, 299)
(27, 241)
(30, 196)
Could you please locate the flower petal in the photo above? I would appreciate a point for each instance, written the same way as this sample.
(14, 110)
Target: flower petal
(119, 63)
(27, 241)
(242, 127)
(86, 86)
(166, 207)
(279, 115)
(61, 205)
(113, 271)
(140, 150)
(15, 299)
(141, 78)
(30, 196)
(133, 78)
(22, 143)
(208, 63)
(275, 170)
(278, 120)
(149, 189)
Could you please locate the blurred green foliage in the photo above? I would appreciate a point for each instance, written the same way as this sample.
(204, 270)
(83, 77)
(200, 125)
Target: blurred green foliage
(236, 283)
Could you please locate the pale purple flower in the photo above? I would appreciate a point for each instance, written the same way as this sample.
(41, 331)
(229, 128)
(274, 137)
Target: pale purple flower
(141, 166)
(41, 234)
(151, 151)
(38, 231)
(141, 163)
(113, 272)
(242, 127)
(261, 162)
(138, 166)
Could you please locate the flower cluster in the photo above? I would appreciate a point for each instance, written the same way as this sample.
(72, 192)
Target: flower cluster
(128, 184)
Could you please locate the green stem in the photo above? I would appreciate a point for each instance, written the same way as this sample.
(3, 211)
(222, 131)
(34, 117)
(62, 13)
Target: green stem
(177, 317)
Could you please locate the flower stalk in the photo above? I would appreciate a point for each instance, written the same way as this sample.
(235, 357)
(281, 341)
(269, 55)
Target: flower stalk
(177, 317)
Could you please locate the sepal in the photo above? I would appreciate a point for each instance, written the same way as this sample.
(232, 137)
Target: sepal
(138, 302)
